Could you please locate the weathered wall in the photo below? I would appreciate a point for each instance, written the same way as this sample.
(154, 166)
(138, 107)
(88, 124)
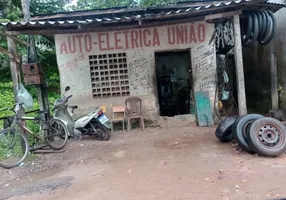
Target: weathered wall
(257, 68)
(140, 45)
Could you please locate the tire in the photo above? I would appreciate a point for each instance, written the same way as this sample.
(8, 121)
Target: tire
(104, 133)
(248, 28)
(260, 23)
(255, 30)
(224, 130)
(61, 133)
(239, 131)
(267, 136)
(267, 25)
(21, 151)
(263, 25)
(273, 30)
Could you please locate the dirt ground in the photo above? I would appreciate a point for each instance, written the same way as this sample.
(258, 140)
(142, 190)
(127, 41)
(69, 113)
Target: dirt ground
(159, 163)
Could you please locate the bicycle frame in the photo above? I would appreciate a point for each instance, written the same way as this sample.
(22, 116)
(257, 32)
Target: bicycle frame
(25, 128)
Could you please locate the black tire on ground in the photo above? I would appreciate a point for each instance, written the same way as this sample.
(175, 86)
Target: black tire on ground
(267, 136)
(224, 130)
(23, 147)
(239, 131)
(62, 134)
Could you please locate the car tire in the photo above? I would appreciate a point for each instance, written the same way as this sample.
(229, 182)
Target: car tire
(248, 28)
(273, 29)
(224, 130)
(267, 136)
(239, 131)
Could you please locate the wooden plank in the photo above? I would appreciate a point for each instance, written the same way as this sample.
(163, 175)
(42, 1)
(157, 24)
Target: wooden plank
(9, 54)
(274, 82)
(223, 15)
(204, 108)
(15, 38)
(239, 67)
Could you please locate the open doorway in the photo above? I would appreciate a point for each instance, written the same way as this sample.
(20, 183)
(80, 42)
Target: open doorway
(174, 82)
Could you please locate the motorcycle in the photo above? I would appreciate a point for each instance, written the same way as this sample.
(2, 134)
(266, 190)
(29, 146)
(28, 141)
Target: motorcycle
(95, 123)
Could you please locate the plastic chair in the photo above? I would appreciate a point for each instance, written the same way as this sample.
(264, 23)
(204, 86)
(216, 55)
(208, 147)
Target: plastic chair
(118, 110)
(134, 111)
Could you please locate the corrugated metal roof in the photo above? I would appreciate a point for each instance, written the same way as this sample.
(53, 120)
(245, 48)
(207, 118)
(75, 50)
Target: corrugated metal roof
(156, 6)
(125, 18)
(114, 19)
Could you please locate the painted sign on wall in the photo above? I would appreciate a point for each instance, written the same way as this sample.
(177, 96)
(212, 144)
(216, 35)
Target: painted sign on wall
(133, 39)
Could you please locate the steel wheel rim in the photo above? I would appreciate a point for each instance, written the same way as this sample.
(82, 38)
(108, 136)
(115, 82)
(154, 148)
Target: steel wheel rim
(270, 136)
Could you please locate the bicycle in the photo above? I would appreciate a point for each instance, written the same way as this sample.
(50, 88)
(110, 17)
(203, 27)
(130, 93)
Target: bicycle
(14, 141)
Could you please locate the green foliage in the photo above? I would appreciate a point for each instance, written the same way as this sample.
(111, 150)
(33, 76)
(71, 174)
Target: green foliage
(39, 7)
(97, 4)
(146, 3)
(88, 4)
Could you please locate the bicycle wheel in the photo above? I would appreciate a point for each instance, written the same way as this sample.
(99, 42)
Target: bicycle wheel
(56, 134)
(14, 148)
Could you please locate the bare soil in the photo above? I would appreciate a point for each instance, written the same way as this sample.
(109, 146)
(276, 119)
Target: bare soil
(160, 163)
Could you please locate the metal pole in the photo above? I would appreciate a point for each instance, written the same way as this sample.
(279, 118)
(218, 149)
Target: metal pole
(239, 67)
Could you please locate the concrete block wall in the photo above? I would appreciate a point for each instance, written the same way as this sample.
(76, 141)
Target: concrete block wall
(140, 45)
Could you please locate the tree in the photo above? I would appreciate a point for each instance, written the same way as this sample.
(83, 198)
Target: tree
(38, 7)
(147, 3)
(96, 4)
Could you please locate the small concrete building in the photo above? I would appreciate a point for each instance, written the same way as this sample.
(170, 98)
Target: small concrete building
(104, 68)
(162, 55)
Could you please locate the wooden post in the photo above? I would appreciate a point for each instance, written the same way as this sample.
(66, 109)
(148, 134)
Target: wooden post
(239, 67)
(274, 84)
(14, 67)
(32, 54)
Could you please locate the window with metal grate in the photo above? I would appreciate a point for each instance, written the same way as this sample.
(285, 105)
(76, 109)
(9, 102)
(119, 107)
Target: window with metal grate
(109, 75)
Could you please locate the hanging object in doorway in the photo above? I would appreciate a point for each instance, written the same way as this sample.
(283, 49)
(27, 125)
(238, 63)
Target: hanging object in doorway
(223, 37)
(225, 77)
(258, 26)
(225, 95)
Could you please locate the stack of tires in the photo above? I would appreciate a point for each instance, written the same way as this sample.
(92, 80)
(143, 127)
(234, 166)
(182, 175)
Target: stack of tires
(258, 26)
(254, 133)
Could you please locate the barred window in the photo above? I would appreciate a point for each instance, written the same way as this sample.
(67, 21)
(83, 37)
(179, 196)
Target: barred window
(109, 75)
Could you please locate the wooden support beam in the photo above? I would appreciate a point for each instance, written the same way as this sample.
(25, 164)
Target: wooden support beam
(274, 82)
(15, 38)
(14, 66)
(223, 15)
(239, 67)
(9, 54)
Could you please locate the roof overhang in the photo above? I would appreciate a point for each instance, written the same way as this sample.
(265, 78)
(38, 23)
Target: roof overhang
(118, 19)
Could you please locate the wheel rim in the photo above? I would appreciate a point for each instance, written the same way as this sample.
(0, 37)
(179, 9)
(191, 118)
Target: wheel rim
(270, 135)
